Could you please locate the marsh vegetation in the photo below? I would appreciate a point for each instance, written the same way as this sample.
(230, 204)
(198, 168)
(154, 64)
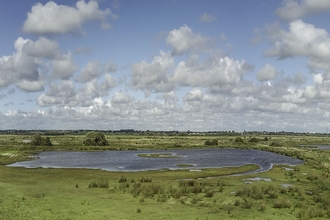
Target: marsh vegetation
(284, 192)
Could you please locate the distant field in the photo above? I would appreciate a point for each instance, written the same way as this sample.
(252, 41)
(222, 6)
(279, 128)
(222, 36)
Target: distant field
(301, 192)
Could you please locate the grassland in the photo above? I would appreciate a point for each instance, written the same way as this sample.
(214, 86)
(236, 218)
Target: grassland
(301, 192)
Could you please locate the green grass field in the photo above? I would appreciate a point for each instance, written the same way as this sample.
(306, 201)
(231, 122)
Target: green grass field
(301, 192)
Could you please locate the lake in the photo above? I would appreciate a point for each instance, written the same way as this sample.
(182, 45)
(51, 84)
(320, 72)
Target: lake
(131, 161)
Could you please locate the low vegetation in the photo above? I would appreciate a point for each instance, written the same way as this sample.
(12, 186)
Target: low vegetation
(284, 192)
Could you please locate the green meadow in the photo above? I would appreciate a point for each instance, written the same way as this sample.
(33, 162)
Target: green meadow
(284, 192)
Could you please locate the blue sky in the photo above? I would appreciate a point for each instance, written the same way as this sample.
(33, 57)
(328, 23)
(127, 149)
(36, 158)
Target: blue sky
(165, 65)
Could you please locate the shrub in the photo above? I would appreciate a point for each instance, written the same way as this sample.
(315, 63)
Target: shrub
(284, 203)
(145, 180)
(38, 140)
(247, 203)
(162, 197)
(254, 140)
(137, 189)
(208, 143)
(122, 179)
(272, 191)
(148, 191)
(175, 192)
(237, 202)
(256, 193)
(312, 177)
(177, 145)
(275, 144)
(262, 207)
(239, 140)
(187, 183)
(209, 193)
(213, 142)
(99, 184)
(95, 139)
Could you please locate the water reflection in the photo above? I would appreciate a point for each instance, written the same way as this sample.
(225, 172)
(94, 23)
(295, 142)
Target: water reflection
(130, 161)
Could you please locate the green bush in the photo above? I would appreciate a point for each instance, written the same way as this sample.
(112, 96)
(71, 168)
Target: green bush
(275, 144)
(254, 140)
(209, 193)
(262, 207)
(247, 203)
(99, 184)
(38, 140)
(95, 139)
(210, 143)
(122, 179)
(239, 140)
(215, 142)
(284, 203)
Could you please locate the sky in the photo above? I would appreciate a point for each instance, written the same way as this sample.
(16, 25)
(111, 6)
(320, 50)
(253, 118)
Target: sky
(213, 65)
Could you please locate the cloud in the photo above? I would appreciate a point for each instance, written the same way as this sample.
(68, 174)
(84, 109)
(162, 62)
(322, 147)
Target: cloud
(194, 95)
(66, 93)
(93, 89)
(64, 67)
(63, 94)
(266, 73)
(318, 92)
(28, 86)
(153, 77)
(296, 9)
(108, 83)
(83, 50)
(207, 18)
(92, 70)
(301, 39)
(42, 48)
(121, 98)
(110, 67)
(304, 40)
(54, 19)
(19, 66)
(216, 72)
(183, 40)
(95, 69)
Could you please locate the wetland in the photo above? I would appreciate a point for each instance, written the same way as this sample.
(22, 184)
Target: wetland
(150, 177)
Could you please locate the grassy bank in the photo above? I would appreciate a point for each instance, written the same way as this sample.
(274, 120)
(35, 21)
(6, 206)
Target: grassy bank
(300, 192)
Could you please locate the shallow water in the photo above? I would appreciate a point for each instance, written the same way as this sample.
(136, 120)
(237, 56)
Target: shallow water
(130, 161)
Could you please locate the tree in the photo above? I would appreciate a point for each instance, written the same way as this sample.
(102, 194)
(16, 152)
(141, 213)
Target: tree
(38, 140)
(95, 139)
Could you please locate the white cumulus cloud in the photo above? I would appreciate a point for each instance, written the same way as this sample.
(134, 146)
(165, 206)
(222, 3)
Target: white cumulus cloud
(266, 73)
(301, 39)
(184, 40)
(153, 77)
(19, 66)
(210, 73)
(64, 67)
(296, 9)
(52, 18)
